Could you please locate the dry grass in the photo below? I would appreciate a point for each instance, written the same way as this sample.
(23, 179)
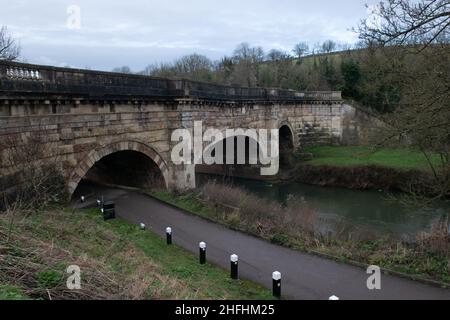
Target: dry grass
(437, 240)
(36, 251)
(265, 218)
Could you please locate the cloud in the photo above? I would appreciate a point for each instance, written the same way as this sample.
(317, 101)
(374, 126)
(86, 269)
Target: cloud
(141, 32)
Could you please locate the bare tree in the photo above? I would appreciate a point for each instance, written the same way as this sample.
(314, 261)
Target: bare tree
(250, 54)
(245, 65)
(301, 49)
(422, 116)
(277, 55)
(32, 162)
(9, 49)
(328, 46)
(194, 66)
(397, 22)
(165, 70)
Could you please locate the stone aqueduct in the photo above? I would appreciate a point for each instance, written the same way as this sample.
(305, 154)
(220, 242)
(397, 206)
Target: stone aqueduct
(92, 114)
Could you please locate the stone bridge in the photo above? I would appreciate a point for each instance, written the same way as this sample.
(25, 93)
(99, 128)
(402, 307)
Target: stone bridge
(88, 116)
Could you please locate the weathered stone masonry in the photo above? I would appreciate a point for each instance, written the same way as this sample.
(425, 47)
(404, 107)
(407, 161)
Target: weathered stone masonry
(91, 114)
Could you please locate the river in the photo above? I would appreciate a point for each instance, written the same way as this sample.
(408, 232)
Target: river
(373, 211)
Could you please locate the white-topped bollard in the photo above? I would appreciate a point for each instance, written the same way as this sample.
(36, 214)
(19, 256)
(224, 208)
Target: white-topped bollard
(83, 199)
(202, 247)
(142, 226)
(333, 298)
(99, 203)
(276, 284)
(234, 266)
(169, 235)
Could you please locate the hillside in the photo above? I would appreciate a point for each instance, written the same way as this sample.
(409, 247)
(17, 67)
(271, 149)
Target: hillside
(117, 261)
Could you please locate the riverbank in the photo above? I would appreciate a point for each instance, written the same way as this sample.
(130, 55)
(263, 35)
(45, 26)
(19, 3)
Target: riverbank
(369, 177)
(296, 227)
(117, 261)
(356, 156)
(365, 168)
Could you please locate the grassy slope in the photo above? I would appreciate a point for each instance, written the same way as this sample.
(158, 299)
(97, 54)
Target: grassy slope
(138, 264)
(364, 156)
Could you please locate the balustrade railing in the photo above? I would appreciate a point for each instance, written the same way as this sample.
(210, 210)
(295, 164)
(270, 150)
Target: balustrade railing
(24, 73)
(61, 80)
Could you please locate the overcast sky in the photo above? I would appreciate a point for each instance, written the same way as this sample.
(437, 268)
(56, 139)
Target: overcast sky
(140, 32)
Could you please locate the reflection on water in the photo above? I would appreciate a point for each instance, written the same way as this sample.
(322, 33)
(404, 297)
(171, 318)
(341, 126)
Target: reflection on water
(368, 210)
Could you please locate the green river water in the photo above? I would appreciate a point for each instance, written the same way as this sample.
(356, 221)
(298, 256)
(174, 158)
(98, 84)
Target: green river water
(371, 211)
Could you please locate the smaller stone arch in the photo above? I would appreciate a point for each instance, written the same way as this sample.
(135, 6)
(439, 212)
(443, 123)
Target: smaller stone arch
(96, 155)
(287, 124)
(287, 145)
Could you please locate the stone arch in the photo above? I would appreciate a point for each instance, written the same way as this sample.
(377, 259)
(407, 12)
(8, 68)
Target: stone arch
(287, 145)
(208, 146)
(97, 154)
(288, 125)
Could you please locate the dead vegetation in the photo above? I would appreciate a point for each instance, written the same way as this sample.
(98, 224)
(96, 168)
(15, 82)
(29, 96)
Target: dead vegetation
(36, 251)
(437, 240)
(263, 217)
(32, 163)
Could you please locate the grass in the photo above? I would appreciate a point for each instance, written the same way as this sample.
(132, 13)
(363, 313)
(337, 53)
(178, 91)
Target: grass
(202, 281)
(8, 292)
(366, 156)
(185, 201)
(117, 261)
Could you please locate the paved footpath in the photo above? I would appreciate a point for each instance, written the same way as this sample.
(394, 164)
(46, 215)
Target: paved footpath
(304, 276)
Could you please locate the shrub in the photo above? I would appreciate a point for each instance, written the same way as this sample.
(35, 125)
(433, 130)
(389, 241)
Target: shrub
(281, 239)
(437, 240)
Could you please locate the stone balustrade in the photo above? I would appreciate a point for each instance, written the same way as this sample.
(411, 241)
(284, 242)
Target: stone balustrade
(15, 72)
(99, 83)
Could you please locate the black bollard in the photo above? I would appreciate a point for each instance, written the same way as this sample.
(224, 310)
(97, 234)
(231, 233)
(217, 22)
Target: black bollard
(169, 235)
(202, 246)
(234, 266)
(276, 284)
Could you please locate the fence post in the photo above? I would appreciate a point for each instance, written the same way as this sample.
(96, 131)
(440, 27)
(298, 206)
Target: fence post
(169, 235)
(276, 284)
(234, 266)
(202, 246)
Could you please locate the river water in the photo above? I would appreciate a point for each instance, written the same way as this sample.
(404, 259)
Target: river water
(373, 211)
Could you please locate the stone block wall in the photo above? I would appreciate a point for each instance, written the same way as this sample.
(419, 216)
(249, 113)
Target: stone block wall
(359, 127)
(88, 130)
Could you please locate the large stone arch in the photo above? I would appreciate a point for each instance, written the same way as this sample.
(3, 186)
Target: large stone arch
(208, 146)
(97, 154)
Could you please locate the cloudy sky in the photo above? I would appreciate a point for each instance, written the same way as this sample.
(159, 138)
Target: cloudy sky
(136, 33)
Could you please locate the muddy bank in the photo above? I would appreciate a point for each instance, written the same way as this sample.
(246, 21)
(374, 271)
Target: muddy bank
(366, 178)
